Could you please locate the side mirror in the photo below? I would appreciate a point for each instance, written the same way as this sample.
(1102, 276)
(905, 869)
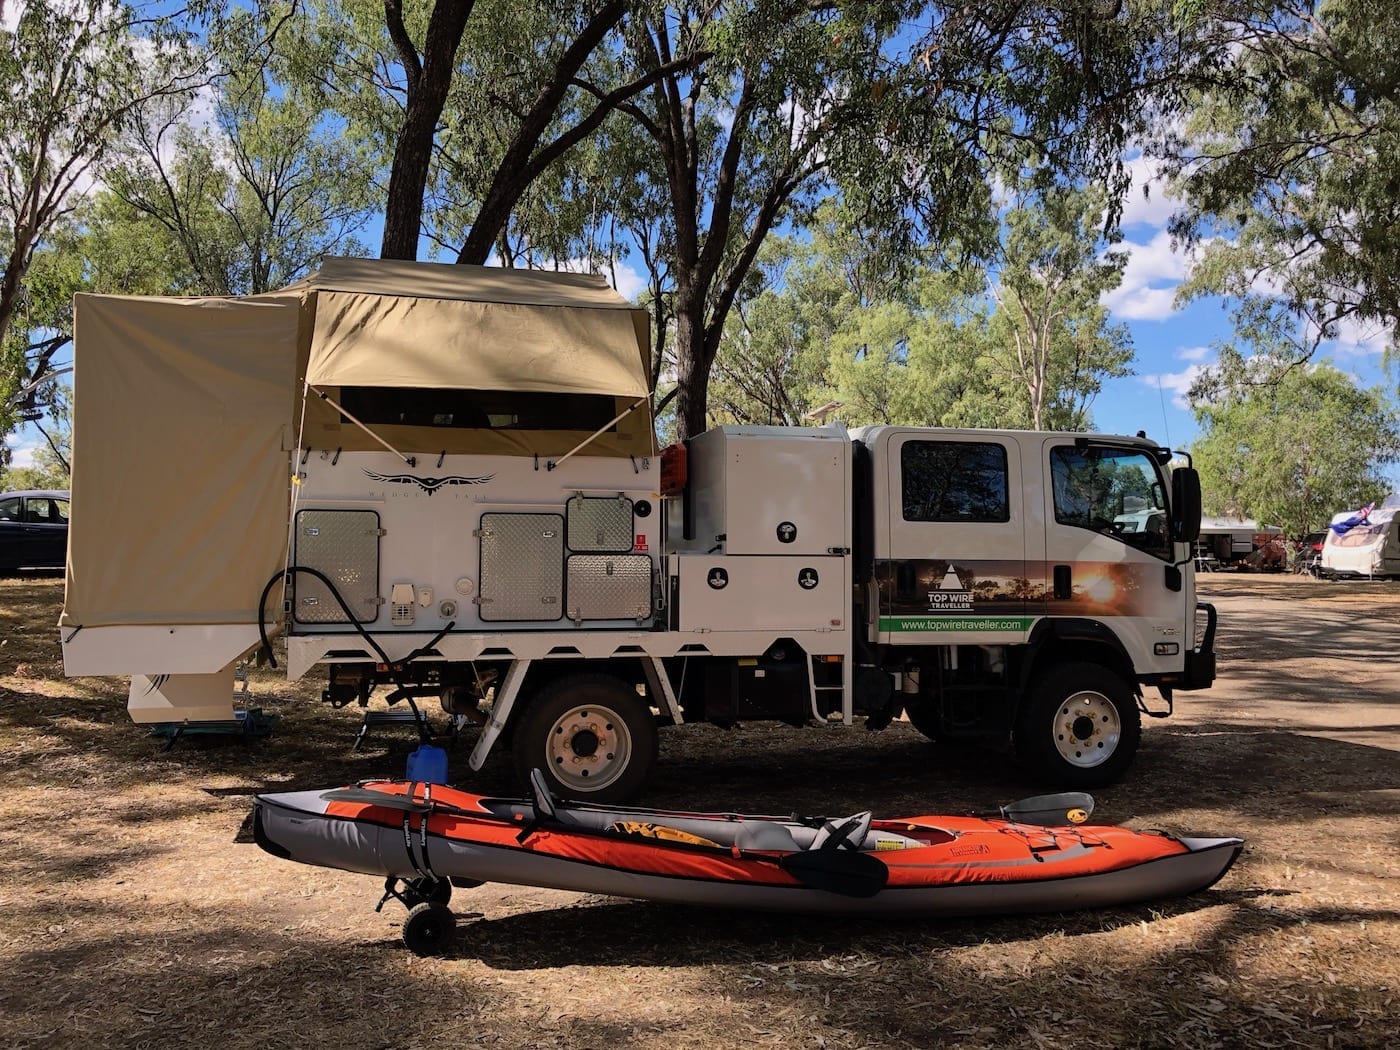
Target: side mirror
(1186, 505)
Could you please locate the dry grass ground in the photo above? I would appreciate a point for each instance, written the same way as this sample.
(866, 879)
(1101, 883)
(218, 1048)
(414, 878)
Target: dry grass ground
(133, 914)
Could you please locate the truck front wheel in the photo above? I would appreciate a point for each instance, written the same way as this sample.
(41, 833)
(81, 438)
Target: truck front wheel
(1079, 726)
(925, 717)
(592, 736)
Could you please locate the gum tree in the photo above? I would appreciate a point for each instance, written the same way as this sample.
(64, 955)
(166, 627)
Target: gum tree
(72, 74)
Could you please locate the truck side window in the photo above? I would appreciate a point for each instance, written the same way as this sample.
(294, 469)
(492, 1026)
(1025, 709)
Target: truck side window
(954, 481)
(1113, 491)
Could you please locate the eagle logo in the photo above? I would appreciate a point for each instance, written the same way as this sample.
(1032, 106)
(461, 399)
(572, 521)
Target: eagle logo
(429, 485)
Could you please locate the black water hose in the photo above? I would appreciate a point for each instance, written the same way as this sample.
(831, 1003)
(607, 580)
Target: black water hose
(402, 690)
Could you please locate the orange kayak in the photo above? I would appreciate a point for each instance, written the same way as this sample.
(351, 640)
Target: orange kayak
(432, 836)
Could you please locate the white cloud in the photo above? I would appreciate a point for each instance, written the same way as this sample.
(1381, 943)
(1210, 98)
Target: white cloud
(1178, 384)
(626, 281)
(22, 455)
(1361, 338)
(1194, 353)
(1154, 207)
(1149, 280)
(1143, 304)
(630, 283)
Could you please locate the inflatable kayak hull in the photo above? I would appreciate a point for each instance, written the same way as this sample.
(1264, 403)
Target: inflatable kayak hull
(924, 865)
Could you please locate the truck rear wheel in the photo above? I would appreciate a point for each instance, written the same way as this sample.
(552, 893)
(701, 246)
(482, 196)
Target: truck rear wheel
(925, 717)
(592, 736)
(1079, 727)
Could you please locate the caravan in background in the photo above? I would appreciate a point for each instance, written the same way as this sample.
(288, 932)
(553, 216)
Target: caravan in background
(1363, 542)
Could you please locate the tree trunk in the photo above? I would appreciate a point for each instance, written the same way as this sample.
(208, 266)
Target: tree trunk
(16, 266)
(521, 165)
(692, 369)
(429, 80)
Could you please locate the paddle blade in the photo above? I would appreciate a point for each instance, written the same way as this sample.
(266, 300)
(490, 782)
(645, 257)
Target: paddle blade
(842, 871)
(1066, 807)
(371, 797)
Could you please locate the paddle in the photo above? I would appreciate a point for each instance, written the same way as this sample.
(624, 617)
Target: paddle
(1066, 807)
(371, 797)
(846, 872)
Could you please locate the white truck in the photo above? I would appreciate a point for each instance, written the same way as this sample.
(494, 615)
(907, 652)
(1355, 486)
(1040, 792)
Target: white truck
(478, 514)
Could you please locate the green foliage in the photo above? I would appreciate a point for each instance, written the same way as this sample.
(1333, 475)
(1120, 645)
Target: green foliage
(18, 479)
(508, 54)
(1050, 336)
(1295, 450)
(216, 192)
(945, 347)
(52, 461)
(774, 362)
(1289, 165)
(253, 194)
(71, 75)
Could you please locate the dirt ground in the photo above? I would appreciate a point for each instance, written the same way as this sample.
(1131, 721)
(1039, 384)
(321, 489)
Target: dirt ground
(133, 911)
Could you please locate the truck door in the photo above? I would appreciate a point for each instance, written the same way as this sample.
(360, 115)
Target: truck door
(1109, 555)
(954, 570)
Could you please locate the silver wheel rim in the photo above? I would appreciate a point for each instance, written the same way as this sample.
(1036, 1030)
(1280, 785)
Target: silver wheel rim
(588, 748)
(1086, 729)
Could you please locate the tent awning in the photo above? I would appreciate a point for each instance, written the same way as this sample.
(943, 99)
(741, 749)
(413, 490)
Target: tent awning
(402, 324)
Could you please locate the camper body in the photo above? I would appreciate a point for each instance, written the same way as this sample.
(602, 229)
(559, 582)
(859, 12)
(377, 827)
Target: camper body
(555, 580)
(1370, 549)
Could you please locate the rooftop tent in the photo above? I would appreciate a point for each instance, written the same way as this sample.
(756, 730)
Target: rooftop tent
(384, 324)
(185, 411)
(401, 324)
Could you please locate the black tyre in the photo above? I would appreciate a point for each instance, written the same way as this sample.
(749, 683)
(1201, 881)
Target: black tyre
(924, 717)
(592, 736)
(1079, 726)
(429, 928)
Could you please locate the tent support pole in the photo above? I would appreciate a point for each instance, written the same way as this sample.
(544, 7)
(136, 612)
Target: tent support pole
(597, 433)
(410, 460)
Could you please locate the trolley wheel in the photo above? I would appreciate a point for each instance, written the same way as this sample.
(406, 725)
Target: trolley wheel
(424, 889)
(429, 928)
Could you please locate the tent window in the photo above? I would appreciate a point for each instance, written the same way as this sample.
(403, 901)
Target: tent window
(478, 409)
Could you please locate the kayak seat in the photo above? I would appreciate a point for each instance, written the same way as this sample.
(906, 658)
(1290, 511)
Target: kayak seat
(843, 832)
(766, 835)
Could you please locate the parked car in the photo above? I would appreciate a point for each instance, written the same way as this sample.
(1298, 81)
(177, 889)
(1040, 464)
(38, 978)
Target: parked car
(34, 529)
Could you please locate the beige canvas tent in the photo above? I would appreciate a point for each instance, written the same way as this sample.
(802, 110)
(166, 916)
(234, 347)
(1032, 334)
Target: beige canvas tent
(187, 411)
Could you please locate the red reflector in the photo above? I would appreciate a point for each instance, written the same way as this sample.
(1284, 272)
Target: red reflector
(673, 470)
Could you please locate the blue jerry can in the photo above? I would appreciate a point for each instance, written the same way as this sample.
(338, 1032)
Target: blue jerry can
(428, 765)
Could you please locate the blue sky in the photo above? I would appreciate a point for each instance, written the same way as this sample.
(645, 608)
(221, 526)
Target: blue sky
(1173, 343)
